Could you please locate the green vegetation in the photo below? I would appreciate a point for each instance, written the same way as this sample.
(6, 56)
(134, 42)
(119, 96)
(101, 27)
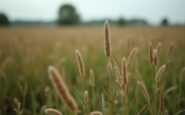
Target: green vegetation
(26, 54)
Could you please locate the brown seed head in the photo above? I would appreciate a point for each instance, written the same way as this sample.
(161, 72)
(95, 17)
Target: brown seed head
(131, 56)
(96, 113)
(155, 57)
(86, 97)
(159, 73)
(61, 89)
(51, 111)
(80, 63)
(124, 71)
(107, 39)
(150, 52)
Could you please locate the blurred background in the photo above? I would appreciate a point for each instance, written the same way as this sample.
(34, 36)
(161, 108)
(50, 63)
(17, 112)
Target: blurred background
(94, 12)
(35, 34)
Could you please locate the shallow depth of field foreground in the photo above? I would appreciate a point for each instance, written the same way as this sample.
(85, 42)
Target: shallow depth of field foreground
(92, 70)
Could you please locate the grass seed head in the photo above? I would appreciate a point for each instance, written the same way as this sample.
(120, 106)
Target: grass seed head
(51, 111)
(131, 56)
(96, 113)
(150, 52)
(61, 89)
(80, 63)
(155, 57)
(124, 71)
(159, 73)
(107, 41)
(86, 97)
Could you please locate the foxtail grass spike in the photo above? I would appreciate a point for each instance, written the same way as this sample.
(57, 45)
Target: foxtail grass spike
(51, 111)
(107, 41)
(61, 89)
(160, 73)
(96, 113)
(80, 63)
(150, 52)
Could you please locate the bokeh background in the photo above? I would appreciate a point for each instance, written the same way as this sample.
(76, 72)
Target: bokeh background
(35, 34)
(141, 12)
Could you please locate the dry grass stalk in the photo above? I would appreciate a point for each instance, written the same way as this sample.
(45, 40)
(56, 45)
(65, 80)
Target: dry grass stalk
(131, 56)
(92, 77)
(161, 100)
(144, 91)
(96, 113)
(155, 57)
(51, 111)
(124, 71)
(159, 73)
(107, 41)
(62, 89)
(159, 48)
(86, 97)
(150, 52)
(80, 63)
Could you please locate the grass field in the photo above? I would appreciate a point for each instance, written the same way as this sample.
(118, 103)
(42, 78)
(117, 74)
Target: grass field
(26, 54)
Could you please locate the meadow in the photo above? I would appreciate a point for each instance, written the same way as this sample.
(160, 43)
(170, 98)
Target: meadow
(126, 71)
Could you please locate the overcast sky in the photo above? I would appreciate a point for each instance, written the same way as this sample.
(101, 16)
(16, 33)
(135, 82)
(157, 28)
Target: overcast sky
(151, 10)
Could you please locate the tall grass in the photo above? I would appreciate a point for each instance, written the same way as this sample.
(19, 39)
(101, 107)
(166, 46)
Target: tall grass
(121, 81)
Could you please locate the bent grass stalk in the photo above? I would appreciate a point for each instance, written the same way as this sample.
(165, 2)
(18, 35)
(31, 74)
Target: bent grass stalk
(146, 95)
(160, 73)
(131, 56)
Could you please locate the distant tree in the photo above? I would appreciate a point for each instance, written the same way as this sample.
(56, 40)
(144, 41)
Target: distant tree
(4, 20)
(68, 15)
(121, 21)
(164, 22)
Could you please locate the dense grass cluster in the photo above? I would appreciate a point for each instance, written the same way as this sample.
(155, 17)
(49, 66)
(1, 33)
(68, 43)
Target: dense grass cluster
(89, 71)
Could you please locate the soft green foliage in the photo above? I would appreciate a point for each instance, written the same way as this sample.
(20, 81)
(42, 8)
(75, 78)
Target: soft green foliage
(4, 20)
(68, 15)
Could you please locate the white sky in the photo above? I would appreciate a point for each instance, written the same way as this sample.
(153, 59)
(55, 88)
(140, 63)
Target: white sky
(151, 10)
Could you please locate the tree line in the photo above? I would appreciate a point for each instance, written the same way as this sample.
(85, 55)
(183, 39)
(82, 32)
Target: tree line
(68, 15)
